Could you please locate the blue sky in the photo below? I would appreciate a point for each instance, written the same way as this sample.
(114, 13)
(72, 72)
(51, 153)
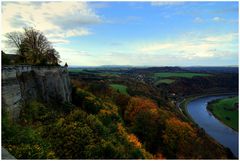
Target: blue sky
(132, 33)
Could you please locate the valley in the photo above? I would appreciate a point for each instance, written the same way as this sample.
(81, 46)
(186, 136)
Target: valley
(120, 80)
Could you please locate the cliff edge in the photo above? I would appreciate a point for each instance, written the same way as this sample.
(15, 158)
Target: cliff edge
(24, 83)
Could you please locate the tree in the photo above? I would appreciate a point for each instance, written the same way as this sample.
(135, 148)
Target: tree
(15, 40)
(147, 128)
(33, 47)
(52, 56)
(137, 104)
(179, 139)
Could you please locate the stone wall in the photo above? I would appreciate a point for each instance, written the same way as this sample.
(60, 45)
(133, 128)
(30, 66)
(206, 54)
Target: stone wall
(23, 83)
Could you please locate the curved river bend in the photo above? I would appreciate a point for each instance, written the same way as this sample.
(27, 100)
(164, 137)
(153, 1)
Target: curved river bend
(197, 109)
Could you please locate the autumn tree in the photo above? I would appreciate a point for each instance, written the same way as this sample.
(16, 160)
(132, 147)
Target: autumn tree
(179, 139)
(137, 104)
(33, 47)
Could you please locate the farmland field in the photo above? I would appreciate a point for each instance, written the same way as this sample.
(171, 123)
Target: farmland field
(226, 110)
(167, 81)
(121, 88)
(174, 74)
(76, 70)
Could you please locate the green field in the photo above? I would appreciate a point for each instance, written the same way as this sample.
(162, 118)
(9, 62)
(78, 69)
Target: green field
(76, 70)
(107, 74)
(174, 74)
(167, 81)
(121, 88)
(226, 111)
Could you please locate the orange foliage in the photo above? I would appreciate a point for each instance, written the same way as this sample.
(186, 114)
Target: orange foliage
(130, 137)
(137, 104)
(179, 137)
(159, 156)
(133, 139)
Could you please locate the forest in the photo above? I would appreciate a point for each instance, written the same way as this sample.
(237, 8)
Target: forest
(115, 114)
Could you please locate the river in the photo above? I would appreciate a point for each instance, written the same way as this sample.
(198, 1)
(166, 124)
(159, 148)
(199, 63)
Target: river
(197, 109)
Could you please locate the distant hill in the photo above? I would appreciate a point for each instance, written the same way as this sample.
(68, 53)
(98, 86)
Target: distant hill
(156, 69)
(226, 69)
(139, 69)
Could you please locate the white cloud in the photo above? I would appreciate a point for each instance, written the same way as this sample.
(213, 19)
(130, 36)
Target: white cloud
(194, 47)
(58, 41)
(156, 47)
(62, 35)
(218, 19)
(227, 38)
(57, 20)
(198, 20)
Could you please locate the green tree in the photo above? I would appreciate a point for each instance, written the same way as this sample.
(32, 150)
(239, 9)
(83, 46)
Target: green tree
(147, 128)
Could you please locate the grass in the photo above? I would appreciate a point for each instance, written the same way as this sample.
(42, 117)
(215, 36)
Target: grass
(175, 74)
(167, 81)
(121, 88)
(225, 111)
(106, 74)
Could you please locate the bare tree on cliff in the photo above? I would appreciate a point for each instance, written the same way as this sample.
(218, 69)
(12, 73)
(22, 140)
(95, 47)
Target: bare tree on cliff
(33, 47)
(15, 39)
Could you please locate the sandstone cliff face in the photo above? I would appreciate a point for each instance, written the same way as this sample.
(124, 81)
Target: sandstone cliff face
(11, 93)
(23, 83)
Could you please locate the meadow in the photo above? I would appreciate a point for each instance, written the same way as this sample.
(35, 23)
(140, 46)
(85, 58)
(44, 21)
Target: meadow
(178, 74)
(166, 81)
(226, 110)
(121, 88)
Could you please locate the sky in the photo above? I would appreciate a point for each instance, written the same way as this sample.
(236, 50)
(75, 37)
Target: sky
(131, 33)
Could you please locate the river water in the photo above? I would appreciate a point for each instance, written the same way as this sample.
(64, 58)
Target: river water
(197, 109)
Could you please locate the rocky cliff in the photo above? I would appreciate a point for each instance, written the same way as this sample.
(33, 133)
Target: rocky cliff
(24, 83)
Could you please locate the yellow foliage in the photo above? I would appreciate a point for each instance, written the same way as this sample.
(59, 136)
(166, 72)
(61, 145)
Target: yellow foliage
(104, 111)
(133, 139)
(121, 129)
(179, 136)
(137, 104)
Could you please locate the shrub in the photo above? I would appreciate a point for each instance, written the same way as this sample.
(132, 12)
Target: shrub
(24, 142)
(34, 111)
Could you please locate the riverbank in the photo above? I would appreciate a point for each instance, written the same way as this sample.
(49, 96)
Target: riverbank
(226, 111)
(195, 109)
(183, 103)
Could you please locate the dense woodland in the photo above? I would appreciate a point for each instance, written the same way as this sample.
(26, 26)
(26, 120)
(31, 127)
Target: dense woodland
(103, 123)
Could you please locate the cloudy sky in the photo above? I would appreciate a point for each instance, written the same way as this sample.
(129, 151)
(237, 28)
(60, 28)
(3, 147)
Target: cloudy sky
(132, 33)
